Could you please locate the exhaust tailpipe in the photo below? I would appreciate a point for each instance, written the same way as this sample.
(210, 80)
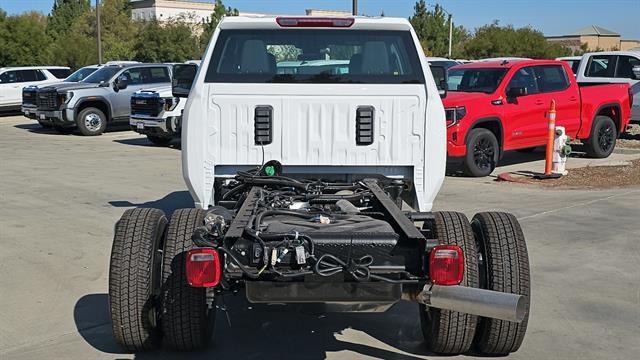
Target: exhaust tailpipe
(487, 303)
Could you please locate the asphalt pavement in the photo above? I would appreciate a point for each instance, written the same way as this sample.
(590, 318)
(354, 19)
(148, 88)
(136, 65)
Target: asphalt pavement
(60, 196)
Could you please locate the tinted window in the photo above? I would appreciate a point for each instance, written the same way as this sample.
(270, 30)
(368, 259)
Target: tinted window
(600, 66)
(60, 73)
(158, 75)
(104, 74)
(81, 74)
(524, 78)
(40, 75)
(624, 69)
(475, 79)
(551, 78)
(315, 56)
(8, 77)
(133, 76)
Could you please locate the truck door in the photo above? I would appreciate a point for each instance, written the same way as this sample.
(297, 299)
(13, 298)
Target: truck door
(525, 124)
(554, 84)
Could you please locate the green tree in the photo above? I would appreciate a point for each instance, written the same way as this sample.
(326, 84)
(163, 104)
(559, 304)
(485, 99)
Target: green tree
(172, 41)
(63, 15)
(208, 27)
(432, 28)
(496, 41)
(23, 39)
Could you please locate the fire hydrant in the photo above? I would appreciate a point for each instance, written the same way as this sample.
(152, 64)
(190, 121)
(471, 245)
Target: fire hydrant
(560, 151)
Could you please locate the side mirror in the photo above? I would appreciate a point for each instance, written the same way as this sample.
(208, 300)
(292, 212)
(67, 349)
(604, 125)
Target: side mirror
(121, 83)
(636, 71)
(183, 77)
(515, 92)
(440, 77)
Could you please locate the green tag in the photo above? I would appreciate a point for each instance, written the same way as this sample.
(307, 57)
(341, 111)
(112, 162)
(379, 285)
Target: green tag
(270, 170)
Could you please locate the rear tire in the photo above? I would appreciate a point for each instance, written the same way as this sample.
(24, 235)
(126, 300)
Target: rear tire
(188, 315)
(91, 121)
(134, 278)
(483, 152)
(159, 140)
(445, 331)
(602, 140)
(505, 267)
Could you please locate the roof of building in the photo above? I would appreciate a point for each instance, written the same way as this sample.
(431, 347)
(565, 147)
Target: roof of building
(594, 30)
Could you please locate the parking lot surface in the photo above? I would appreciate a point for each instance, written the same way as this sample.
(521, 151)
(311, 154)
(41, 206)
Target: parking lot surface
(61, 195)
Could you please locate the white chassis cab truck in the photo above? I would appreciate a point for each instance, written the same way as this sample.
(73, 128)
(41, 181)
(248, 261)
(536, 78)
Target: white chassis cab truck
(314, 185)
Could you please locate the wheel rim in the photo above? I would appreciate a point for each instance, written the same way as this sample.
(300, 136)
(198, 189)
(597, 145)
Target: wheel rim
(92, 122)
(483, 154)
(606, 138)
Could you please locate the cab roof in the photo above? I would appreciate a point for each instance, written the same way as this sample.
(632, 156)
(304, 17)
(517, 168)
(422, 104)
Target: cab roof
(507, 64)
(269, 22)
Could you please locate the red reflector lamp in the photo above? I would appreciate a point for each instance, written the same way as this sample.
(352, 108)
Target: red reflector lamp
(314, 22)
(446, 265)
(203, 267)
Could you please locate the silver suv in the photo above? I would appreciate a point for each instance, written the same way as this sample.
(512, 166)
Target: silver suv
(100, 99)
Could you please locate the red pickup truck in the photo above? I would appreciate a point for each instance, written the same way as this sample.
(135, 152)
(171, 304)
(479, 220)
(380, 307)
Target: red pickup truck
(496, 106)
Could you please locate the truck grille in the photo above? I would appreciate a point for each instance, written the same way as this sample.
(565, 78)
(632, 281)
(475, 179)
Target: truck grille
(146, 104)
(47, 100)
(29, 96)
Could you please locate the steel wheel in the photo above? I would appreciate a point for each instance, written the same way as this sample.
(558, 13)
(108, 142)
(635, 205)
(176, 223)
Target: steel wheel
(92, 122)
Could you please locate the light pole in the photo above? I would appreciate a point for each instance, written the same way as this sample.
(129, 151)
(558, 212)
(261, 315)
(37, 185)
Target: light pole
(354, 7)
(450, 26)
(98, 32)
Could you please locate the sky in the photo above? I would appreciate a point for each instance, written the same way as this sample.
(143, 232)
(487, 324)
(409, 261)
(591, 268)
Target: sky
(552, 17)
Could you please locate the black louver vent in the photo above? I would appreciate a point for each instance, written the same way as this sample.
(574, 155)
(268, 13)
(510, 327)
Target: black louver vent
(364, 125)
(47, 100)
(263, 125)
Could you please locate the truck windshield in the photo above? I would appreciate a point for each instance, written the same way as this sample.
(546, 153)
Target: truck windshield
(104, 74)
(81, 74)
(315, 56)
(485, 80)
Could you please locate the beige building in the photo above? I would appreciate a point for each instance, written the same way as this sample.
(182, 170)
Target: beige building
(596, 38)
(320, 12)
(165, 10)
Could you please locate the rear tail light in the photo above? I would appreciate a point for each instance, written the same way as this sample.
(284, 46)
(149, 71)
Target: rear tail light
(446, 265)
(314, 22)
(203, 267)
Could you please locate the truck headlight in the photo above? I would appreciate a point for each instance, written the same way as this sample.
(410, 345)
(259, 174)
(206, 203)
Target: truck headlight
(64, 98)
(170, 103)
(454, 115)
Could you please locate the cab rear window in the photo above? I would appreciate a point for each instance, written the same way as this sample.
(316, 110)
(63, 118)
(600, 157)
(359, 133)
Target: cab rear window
(314, 56)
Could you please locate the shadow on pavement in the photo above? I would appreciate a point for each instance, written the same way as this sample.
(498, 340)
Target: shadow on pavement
(92, 319)
(175, 144)
(276, 332)
(38, 129)
(169, 203)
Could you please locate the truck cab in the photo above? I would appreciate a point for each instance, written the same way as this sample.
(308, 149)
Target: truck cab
(314, 186)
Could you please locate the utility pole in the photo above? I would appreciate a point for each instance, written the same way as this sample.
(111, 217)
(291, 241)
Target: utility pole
(354, 7)
(450, 33)
(98, 32)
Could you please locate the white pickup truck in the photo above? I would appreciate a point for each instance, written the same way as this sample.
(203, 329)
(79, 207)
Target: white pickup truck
(156, 113)
(328, 221)
(611, 67)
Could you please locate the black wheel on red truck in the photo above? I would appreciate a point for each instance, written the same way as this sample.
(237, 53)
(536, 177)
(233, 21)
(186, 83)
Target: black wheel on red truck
(504, 266)
(483, 151)
(134, 278)
(188, 313)
(602, 139)
(445, 331)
